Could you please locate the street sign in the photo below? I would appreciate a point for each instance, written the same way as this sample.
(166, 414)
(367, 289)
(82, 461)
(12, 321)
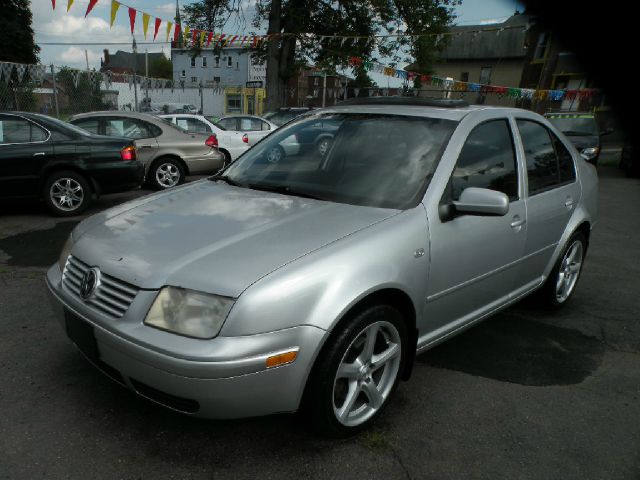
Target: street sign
(255, 84)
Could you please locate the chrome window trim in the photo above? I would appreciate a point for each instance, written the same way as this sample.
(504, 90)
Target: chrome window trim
(30, 121)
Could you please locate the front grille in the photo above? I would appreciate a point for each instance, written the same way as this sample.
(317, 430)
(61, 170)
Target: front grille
(111, 296)
(186, 405)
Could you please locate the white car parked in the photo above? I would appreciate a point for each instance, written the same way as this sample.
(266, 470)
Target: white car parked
(231, 143)
(254, 127)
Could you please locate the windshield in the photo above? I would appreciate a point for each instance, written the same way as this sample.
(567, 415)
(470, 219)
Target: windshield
(575, 125)
(356, 158)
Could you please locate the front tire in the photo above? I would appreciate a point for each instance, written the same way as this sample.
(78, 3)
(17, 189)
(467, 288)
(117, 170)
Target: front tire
(357, 372)
(166, 173)
(67, 193)
(559, 287)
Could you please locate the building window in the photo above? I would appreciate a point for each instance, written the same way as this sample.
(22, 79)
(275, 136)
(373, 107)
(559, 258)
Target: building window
(542, 46)
(193, 61)
(204, 61)
(315, 81)
(464, 77)
(229, 61)
(183, 73)
(194, 79)
(485, 75)
(234, 103)
(217, 61)
(216, 79)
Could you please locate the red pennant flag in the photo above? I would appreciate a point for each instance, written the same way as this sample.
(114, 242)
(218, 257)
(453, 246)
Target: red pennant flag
(233, 40)
(194, 33)
(244, 39)
(209, 37)
(176, 33)
(255, 41)
(220, 38)
(132, 17)
(53, 2)
(92, 3)
(157, 26)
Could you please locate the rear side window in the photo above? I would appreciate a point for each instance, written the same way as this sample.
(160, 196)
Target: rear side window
(90, 125)
(228, 123)
(542, 163)
(19, 130)
(487, 160)
(566, 168)
(125, 127)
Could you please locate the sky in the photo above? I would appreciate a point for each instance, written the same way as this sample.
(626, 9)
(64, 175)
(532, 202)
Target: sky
(72, 27)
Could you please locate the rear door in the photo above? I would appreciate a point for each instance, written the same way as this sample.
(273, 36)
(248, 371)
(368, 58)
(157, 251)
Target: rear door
(25, 148)
(474, 258)
(552, 194)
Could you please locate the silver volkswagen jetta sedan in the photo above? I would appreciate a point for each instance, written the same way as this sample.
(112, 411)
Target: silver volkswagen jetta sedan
(310, 284)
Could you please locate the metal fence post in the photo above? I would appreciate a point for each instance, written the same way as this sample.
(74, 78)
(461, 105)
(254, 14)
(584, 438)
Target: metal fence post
(55, 90)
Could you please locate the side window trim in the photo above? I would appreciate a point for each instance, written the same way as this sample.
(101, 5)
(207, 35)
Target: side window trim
(573, 162)
(32, 123)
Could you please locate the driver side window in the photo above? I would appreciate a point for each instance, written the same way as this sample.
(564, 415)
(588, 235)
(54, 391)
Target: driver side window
(487, 160)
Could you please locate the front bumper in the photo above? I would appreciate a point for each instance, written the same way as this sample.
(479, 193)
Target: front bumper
(225, 377)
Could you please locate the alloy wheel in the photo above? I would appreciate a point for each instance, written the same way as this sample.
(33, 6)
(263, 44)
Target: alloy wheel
(167, 175)
(66, 194)
(569, 271)
(367, 373)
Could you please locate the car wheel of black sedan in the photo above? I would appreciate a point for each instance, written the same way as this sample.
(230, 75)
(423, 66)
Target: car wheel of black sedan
(67, 193)
(357, 372)
(166, 173)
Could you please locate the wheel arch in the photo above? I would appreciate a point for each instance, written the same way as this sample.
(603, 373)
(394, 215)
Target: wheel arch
(171, 156)
(61, 167)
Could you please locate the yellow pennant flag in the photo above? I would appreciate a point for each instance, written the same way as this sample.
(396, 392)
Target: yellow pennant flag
(145, 23)
(185, 34)
(202, 35)
(69, 3)
(169, 25)
(114, 10)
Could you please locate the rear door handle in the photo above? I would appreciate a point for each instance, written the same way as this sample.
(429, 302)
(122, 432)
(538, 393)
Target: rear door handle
(518, 223)
(569, 203)
(145, 146)
(38, 154)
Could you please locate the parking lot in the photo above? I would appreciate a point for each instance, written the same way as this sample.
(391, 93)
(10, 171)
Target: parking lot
(527, 394)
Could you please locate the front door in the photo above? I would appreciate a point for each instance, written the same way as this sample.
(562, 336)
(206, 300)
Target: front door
(474, 258)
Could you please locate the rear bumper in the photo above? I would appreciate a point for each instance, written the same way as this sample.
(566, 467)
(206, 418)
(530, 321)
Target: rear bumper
(237, 386)
(117, 177)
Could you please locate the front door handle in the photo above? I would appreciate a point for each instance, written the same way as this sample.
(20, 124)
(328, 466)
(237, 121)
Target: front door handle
(38, 154)
(517, 222)
(145, 146)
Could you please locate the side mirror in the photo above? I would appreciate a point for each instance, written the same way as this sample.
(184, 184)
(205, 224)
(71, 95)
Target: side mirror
(482, 201)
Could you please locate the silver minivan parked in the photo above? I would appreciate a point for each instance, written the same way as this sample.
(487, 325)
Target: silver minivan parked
(312, 283)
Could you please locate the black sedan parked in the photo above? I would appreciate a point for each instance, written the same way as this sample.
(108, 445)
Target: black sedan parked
(41, 157)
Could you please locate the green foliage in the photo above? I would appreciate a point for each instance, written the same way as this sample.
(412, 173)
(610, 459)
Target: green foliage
(83, 97)
(17, 43)
(17, 96)
(161, 68)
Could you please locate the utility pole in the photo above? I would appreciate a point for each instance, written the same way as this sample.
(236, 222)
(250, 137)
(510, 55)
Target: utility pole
(146, 74)
(135, 75)
(55, 89)
(324, 86)
(86, 57)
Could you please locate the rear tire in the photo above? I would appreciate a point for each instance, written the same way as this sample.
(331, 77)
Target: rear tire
(166, 173)
(66, 193)
(559, 287)
(357, 372)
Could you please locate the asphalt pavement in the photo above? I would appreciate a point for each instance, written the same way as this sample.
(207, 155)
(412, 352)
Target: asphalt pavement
(527, 394)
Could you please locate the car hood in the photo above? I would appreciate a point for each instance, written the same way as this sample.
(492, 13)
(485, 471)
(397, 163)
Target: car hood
(213, 237)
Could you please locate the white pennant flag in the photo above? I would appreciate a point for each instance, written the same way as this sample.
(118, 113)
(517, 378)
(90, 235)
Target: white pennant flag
(356, 91)
(6, 69)
(75, 75)
(36, 72)
(20, 70)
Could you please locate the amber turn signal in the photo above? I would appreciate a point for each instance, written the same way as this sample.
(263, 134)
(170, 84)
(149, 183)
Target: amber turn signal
(281, 359)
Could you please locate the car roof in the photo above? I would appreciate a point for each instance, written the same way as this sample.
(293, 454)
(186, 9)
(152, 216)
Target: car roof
(570, 114)
(110, 113)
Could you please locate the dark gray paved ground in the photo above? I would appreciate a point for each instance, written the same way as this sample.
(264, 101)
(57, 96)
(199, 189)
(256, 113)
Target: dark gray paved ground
(527, 394)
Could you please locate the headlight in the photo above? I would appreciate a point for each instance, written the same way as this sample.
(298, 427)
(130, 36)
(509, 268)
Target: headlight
(188, 312)
(590, 153)
(64, 254)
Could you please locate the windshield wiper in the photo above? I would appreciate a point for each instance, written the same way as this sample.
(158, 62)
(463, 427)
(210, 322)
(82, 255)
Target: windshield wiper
(284, 189)
(227, 180)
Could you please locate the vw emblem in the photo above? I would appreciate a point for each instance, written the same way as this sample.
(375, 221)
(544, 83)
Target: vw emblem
(89, 282)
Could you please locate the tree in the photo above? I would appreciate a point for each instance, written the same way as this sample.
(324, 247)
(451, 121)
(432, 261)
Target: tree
(15, 24)
(82, 89)
(161, 68)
